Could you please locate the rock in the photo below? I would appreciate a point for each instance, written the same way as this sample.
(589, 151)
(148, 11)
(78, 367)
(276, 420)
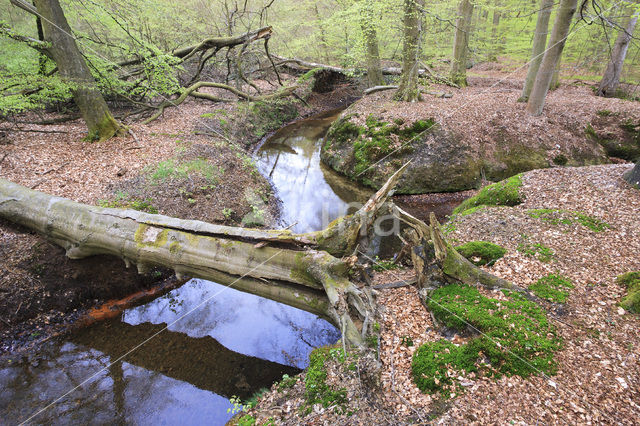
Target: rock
(441, 161)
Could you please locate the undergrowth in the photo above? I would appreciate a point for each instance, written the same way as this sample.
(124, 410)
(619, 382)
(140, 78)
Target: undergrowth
(515, 337)
(503, 193)
(552, 287)
(481, 252)
(537, 250)
(317, 390)
(123, 200)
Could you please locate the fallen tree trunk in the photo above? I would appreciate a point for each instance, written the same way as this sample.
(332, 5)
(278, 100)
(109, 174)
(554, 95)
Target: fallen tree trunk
(309, 271)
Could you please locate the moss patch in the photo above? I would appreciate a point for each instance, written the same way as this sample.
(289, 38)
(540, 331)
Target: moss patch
(481, 252)
(568, 217)
(315, 381)
(122, 200)
(553, 287)
(516, 337)
(374, 140)
(503, 193)
(538, 250)
(631, 280)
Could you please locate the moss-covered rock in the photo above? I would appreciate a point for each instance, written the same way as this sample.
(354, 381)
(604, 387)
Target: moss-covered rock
(631, 280)
(503, 193)
(481, 252)
(368, 148)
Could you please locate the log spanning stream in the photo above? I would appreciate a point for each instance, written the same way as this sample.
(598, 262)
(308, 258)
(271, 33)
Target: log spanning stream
(229, 343)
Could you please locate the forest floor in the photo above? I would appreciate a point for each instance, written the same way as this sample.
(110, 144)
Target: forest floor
(599, 366)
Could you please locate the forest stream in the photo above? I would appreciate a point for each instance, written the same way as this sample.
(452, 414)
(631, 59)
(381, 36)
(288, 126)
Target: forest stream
(219, 343)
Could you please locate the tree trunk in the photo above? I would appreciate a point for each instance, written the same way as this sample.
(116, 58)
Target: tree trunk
(374, 72)
(495, 24)
(539, 44)
(633, 176)
(461, 43)
(408, 88)
(552, 56)
(74, 69)
(302, 270)
(611, 78)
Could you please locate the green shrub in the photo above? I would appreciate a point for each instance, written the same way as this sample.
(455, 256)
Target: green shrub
(552, 287)
(503, 193)
(481, 252)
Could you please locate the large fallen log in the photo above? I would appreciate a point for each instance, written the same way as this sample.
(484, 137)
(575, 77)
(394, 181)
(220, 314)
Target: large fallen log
(310, 271)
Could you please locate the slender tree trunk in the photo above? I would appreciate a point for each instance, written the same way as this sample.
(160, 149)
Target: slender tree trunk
(551, 57)
(74, 69)
(374, 72)
(539, 44)
(633, 175)
(461, 43)
(408, 90)
(42, 58)
(555, 79)
(611, 77)
(496, 45)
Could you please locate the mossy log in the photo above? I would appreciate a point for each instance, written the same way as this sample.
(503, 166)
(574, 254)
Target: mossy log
(309, 271)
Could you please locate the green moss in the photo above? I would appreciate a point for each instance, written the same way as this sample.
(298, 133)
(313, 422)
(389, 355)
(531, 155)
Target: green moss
(308, 75)
(503, 193)
(553, 287)
(568, 217)
(174, 247)
(317, 391)
(124, 201)
(538, 250)
(472, 210)
(174, 169)
(481, 252)
(432, 362)
(144, 232)
(516, 337)
(375, 140)
(631, 280)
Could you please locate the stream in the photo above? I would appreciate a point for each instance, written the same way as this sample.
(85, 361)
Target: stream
(218, 342)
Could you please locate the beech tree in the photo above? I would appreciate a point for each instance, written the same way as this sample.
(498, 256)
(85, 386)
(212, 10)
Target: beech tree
(60, 45)
(408, 90)
(537, 49)
(370, 35)
(552, 56)
(461, 43)
(611, 78)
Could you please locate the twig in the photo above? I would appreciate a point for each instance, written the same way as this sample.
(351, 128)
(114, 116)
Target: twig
(131, 148)
(5, 321)
(3, 157)
(52, 170)
(134, 136)
(18, 310)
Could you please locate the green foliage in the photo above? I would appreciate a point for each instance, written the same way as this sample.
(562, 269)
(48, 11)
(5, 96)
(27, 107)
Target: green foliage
(631, 280)
(246, 420)
(406, 341)
(516, 337)
(287, 382)
(538, 250)
(568, 217)
(174, 169)
(315, 381)
(481, 252)
(125, 201)
(553, 287)
(503, 193)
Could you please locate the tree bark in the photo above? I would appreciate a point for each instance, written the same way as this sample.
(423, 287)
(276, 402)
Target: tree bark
(552, 56)
(374, 72)
(495, 25)
(458, 72)
(74, 69)
(611, 78)
(633, 176)
(408, 88)
(537, 50)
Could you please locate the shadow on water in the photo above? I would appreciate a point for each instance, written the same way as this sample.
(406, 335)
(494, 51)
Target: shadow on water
(233, 345)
